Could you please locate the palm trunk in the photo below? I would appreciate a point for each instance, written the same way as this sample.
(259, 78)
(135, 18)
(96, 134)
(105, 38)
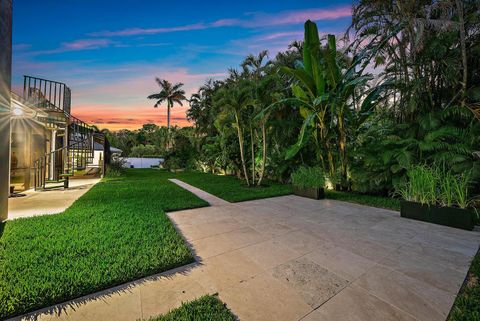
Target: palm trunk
(167, 143)
(168, 117)
(240, 142)
(253, 155)
(342, 150)
(264, 152)
(459, 5)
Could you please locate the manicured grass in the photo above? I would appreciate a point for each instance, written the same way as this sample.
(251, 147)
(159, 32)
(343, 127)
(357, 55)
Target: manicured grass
(375, 201)
(206, 308)
(231, 189)
(467, 303)
(116, 232)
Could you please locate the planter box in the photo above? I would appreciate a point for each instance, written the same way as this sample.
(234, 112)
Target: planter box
(310, 192)
(448, 216)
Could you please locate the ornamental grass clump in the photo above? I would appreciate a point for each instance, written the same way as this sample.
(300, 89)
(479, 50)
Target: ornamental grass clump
(459, 190)
(453, 189)
(435, 186)
(308, 177)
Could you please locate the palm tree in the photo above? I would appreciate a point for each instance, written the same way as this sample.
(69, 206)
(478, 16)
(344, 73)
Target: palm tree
(169, 93)
(235, 97)
(255, 67)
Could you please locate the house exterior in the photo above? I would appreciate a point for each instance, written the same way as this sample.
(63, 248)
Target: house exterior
(42, 146)
(48, 145)
(5, 85)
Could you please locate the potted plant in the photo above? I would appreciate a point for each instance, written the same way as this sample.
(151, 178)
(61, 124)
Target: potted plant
(309, 182)
(436, 196)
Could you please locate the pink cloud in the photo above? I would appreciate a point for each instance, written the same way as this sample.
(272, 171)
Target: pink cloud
(225, 23)
(280, 35)
(300, 16)
(147, 31)
(254, 20)
(85, 44)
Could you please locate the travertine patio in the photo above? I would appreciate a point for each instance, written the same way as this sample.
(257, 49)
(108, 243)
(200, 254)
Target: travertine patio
(291, 258)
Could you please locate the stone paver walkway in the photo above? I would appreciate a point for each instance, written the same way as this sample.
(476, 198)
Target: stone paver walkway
(291, 258)
(55, 201)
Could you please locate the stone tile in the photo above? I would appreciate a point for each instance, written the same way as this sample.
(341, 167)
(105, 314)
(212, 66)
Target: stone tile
(255, 219)
(199, 216)
(196, 232)
(212, 246)
(314, 283)
(264, 298)
(272, 229)
(342, 262)
(161, 296)
(297, 222)
(211, 199)
(421, 300)
(301, 241)
(354, 304)
(245, 236)
(38, 203)
(42, 316)
(434, 238)
(369, 249)
(225, 270)
(269, 254)
(451, 259)
(123, 305)
(424, 270)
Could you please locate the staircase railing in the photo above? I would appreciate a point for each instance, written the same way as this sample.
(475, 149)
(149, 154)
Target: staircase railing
(57, 166)
(48, 94)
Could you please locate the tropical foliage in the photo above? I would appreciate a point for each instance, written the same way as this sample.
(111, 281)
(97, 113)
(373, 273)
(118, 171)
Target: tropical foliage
(401, 89)
(308, 177)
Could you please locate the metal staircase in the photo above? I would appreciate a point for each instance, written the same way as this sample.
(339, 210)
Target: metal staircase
(53, 169)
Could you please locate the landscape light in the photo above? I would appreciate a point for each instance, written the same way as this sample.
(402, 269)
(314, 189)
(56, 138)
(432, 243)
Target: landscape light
(17, 111)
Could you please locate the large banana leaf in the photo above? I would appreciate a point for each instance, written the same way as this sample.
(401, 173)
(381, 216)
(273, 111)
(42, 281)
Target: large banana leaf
(311, 56)
(303, 138)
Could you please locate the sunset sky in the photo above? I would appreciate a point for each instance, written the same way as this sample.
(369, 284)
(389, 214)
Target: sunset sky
(109, 52)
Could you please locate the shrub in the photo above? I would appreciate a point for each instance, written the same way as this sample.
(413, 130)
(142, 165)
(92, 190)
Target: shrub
(116, 167)
(308, 177)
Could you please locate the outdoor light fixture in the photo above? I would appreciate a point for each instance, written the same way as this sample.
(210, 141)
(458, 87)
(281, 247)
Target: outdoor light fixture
(17, 111)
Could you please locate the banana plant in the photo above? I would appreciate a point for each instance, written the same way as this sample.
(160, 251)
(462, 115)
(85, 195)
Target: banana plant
(325, 93)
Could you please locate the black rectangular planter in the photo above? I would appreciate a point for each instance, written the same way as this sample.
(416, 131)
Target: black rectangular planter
(310, 192)
(448, 216)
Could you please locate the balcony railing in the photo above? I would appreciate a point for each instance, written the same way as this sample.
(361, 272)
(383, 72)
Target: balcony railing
(48, 94)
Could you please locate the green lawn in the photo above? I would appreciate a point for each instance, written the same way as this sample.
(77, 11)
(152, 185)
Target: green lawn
(206, 308)
(230, 188)
(467, 303)
(116, 232)
(370, 200)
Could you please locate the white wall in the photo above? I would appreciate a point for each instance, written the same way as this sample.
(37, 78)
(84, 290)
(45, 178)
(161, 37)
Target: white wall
(97, 156)
(138, 162)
